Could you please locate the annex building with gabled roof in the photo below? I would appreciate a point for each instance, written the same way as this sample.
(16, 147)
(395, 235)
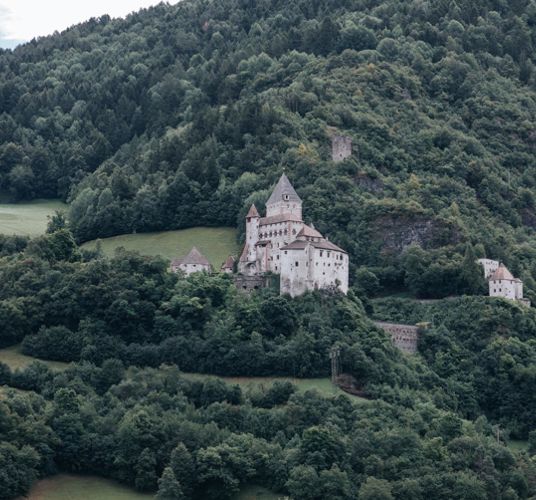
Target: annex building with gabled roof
(194, 262)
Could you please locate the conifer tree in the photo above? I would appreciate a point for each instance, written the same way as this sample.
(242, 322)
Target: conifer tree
(168, 486)
(471, 274)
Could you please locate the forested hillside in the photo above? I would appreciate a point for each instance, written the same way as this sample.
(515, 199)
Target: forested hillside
(123, 409)
(182, 115)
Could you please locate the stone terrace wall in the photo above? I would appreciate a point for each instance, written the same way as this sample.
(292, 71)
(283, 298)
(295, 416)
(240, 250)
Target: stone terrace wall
(405, 337)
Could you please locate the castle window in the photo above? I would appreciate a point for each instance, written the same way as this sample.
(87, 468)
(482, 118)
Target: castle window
(286, 197)
(329, 254)
(278, 256)
(297, 263)
(286, 232)
(285, 252)
(321, 253)
(294, 231)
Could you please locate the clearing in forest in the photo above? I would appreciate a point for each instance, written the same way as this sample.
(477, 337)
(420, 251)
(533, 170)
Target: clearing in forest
(13, 357)
(79, 487)
(27, 219)
(215, 243)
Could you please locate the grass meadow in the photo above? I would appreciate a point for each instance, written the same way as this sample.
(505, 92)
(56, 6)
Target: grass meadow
(322, 385)
(216, 243)
(81, 487)
(13, 357)
(27, 219)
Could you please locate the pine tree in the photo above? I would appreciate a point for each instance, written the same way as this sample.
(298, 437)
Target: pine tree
(183, 467)
(145, 471)
(168, 486)
(471, 273)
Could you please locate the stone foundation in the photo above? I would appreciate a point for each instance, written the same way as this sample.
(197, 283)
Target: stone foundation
(248, 284)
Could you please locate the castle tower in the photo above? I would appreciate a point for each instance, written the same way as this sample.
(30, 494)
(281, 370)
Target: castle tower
(249, 255)
(341, 147)
(284, 200)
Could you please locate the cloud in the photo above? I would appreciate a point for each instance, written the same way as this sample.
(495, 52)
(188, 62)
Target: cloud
(27, 19)
(5, 15)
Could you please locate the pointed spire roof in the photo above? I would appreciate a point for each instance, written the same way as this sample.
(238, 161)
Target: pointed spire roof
(501, 273)
(253, 211)
(283, 191)
(195, 257)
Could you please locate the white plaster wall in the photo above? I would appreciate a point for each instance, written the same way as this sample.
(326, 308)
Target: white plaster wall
(329, 267)
(490, 266)
(295, 271)
(502, 288)
(284, 207)
(193, 268)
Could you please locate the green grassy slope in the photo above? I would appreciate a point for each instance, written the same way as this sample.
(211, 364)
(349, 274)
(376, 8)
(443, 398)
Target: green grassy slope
(13, 357)
(78, 487)
(322, 385)
(27, 219)
(216, 243)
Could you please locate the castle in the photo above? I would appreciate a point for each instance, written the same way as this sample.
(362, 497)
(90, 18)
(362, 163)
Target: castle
(281, 243)
(501, 282)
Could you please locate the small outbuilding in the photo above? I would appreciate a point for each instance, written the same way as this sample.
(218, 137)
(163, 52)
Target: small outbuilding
(229, 265)
(194, 262)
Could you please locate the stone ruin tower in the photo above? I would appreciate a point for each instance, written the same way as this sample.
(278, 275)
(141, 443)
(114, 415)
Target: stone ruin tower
(341, 147)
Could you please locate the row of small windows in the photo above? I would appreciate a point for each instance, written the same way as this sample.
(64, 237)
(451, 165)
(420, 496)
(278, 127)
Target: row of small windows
(276, 233)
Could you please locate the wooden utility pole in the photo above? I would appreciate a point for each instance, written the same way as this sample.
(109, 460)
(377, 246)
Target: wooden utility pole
(335, 356)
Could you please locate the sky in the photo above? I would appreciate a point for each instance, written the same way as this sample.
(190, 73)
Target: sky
(22, 20)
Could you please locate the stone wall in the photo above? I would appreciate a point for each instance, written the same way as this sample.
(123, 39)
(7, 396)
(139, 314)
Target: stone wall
(341, 147)
(248, 284)
(405, 337)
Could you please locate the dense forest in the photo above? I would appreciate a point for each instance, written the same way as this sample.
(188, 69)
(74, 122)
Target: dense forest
(184, 115)
(432, 426)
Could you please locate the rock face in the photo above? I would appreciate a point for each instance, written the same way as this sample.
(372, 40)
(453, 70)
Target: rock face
(397, 232)
(369, 184)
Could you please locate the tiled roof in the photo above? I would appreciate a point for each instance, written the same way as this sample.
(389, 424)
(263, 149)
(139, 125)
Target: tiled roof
(244, 255)
(309, 232)
(253, 211)
(323, 245)
(229, 263)
(283, 187)
(502, 273)
(194, 257)
(276, 219)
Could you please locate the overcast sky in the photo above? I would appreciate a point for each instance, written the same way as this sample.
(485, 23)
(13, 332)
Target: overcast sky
(26, 19)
